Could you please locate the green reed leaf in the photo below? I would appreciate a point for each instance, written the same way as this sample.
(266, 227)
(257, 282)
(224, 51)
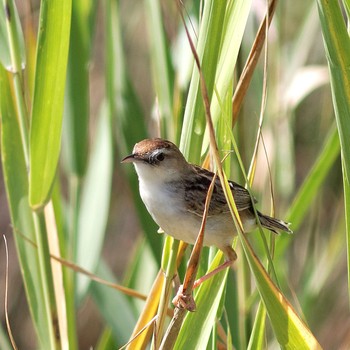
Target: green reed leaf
(50, 77)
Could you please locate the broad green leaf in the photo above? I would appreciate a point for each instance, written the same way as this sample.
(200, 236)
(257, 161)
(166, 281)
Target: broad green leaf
(11, 37)
(337, 45)
(94, 207)
(50, 77)
(290, 331)
(16, 184)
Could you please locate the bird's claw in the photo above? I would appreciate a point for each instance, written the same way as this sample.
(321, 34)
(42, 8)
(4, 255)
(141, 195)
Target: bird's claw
(184, 301)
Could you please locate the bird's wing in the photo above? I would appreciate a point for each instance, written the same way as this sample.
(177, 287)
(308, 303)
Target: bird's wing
(197, 189)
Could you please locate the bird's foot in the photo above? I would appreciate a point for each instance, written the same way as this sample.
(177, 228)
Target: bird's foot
(184, 301)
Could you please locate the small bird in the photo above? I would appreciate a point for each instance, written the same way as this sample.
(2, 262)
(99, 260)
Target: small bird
(174, 192)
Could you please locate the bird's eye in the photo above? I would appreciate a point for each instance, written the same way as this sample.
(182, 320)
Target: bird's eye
(160, 157)
(156, 157)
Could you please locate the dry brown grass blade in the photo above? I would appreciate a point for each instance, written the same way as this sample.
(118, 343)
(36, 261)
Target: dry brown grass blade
(93, 277)
(8, 326)
(248, 70)
(76, 268)
(122, 289)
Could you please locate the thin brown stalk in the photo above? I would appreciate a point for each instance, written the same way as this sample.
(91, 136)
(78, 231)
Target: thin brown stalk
(192, 269)
(248, 70)
(150, 323)
(79, 269)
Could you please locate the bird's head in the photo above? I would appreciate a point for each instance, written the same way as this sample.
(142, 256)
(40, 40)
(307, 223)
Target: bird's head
(157, 159)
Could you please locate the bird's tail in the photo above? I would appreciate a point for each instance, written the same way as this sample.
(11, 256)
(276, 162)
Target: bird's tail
(274, 225)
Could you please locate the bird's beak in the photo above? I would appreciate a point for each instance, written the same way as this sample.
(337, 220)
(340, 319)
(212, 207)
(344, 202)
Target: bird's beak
(129, 159)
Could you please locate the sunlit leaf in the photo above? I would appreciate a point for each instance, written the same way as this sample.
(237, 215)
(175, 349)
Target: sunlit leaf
(16, 184)
(50, 77)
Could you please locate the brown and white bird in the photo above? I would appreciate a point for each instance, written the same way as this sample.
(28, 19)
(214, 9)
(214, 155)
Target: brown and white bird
(174, 192)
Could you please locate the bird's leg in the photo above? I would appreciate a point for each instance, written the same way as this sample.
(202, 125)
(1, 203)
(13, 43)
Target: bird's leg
(184, 299)
(231, 258)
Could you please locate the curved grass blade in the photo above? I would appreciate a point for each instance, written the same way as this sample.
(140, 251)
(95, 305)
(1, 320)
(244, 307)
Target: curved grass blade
(16, 184)
(14, 40)
(257, 337)
(95, 203)
(50, 77)
(337, 45)
(291, 332)
(289, 329)
(315, 178)
(310, 188)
